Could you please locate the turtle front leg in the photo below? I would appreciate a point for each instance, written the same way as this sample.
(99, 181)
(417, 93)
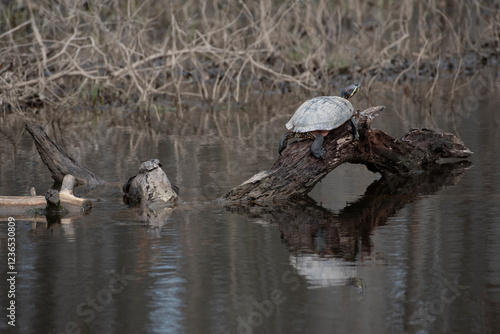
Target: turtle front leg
(317, 148)
(354, 127)
(284, 142)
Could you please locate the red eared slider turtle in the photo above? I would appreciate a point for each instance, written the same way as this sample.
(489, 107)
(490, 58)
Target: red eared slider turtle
(316, 117)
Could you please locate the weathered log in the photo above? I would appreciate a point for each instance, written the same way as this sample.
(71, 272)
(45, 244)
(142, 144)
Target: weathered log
(296, 171)
(58, 161)
(10, 205)
(150, 187)
(53, 201)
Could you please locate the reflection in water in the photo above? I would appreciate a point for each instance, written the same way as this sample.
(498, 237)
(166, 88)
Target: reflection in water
(327, 244)
(321, 272)
(200, 268)
(49, 226)
(167, 294)
(155, 220)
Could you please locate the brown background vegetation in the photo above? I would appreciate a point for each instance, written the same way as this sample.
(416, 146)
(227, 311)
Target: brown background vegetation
(159, 55)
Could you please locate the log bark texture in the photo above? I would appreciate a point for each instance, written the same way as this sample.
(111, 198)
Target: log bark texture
(150, 187)
(296, 171)
(58, 161)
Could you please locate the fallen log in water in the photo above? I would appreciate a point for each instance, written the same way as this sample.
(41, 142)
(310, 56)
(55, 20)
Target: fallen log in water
(53, 202)
(58, 161)
(296, 171)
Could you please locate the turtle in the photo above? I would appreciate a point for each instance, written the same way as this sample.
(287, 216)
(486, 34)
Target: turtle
(316, 117)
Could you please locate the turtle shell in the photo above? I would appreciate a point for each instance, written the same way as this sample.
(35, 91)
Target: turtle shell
(321, 113)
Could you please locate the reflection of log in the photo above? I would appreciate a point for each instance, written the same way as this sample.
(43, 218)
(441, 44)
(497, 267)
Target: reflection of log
(53, 201)
(51, 225)
(58, 161)
(296, 171)
(308, 228)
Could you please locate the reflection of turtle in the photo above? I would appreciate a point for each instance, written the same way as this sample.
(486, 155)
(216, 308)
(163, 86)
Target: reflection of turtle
(316, 117)
(358, 283)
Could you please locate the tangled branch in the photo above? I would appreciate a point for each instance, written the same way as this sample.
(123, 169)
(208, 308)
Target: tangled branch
(99, 53)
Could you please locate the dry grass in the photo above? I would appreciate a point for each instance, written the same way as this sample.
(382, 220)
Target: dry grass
(150, 54)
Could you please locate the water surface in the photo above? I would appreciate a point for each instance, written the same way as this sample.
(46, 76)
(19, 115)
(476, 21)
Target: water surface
(416, 261)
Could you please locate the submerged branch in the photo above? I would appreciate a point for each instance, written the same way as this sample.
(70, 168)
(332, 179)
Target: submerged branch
(54, 202)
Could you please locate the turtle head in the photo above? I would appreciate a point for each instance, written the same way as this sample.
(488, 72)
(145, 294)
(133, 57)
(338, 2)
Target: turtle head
(349, 91)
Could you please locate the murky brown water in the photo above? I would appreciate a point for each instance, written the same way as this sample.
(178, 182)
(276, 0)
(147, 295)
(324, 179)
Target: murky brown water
(355, 262)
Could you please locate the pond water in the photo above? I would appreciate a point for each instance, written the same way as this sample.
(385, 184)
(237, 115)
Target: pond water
(360, 259)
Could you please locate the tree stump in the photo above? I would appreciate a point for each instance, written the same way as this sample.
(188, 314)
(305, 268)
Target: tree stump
(296, 171)
(150, 187)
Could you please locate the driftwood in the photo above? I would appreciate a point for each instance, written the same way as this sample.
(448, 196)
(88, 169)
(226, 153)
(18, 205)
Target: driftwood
(150, 187)
(58, 161)
(306, 227)
(296, 171)
(53, 202)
